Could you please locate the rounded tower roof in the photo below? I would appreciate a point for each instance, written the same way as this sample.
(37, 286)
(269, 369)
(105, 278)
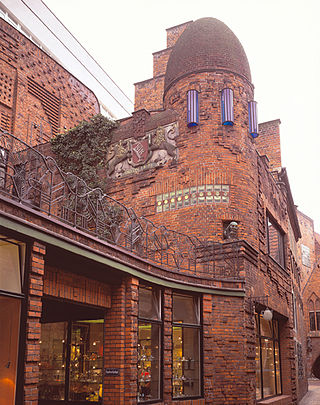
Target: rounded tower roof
(206, 44)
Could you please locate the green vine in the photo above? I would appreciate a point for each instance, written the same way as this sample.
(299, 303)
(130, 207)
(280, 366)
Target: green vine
(82, 150)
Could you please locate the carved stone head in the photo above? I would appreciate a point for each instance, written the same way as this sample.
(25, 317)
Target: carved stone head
(231, 231)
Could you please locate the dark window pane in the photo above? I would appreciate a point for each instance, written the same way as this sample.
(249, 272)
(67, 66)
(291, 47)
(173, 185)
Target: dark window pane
(52, 360)
(86, 354)
(148, 361)
(186, 362)
(318, 320)
(149, 303)
(312, 321)
(186, 309)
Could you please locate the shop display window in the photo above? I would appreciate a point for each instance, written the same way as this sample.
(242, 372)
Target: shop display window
(9, 337)
(71, 361)
(149, 344)
(186, 370)
(12, 256)
(268, 373)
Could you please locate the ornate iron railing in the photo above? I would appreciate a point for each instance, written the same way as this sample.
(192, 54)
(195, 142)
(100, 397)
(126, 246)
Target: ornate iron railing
(35, 180)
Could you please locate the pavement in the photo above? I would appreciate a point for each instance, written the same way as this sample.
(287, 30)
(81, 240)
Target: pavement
(312, 397)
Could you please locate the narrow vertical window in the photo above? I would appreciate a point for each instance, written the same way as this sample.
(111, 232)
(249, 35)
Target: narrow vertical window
(192, 108)
(227, 107)
(275, 242)
(149, 344)
(268, 370)
(186, 376)
(312, 317)
(253, 119)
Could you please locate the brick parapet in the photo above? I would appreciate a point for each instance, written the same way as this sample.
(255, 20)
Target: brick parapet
(149, 94)
(79, 239)
(160, 60)
(33, 327)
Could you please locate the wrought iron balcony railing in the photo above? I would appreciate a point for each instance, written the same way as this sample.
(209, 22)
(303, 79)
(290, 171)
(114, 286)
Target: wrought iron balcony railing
(36, 181)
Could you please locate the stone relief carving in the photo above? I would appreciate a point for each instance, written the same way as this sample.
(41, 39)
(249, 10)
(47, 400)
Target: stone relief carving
(131, 155)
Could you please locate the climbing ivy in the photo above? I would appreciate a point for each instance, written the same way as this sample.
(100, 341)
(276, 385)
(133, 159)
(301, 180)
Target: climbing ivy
(82, 150)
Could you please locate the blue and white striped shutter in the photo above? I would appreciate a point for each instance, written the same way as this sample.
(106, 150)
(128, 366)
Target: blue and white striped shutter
(253, 119)
(227, 106)
(192, 108)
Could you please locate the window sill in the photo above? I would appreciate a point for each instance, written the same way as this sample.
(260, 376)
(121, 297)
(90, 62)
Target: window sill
(279, 400)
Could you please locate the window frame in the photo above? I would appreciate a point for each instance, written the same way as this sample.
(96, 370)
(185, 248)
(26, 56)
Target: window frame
(198, 327)
(315, 314)
(280, 241)
(155, 322)
(67, 376)
(259, 336)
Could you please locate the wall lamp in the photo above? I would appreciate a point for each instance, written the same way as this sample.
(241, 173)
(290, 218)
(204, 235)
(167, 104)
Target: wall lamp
(267, 313)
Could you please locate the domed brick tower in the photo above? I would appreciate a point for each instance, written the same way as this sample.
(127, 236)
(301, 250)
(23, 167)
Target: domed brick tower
(208, 83)
(204, 176)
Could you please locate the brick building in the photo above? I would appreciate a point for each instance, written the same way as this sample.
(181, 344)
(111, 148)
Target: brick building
(180, 286)
(309, 263)
(38, 97)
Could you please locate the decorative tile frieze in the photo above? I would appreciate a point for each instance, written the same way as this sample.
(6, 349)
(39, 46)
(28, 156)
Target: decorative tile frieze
(197, 195)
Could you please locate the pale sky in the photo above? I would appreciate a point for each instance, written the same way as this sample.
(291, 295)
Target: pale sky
(280, 37)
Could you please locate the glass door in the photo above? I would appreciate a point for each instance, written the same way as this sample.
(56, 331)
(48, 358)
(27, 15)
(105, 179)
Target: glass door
(9, 338)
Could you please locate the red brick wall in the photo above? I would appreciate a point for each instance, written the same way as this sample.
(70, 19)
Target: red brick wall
(148, 94)
(77, 288)
(38, 97)
(268, 142)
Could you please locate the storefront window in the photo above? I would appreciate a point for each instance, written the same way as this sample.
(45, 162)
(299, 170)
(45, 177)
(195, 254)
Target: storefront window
(11, 265)
(71, 355)
(186, 346)
(149, 338)
(9, 336)
(268, 374)
(52, 365)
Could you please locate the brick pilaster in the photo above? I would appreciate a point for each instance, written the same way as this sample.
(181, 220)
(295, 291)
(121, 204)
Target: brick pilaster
(120, 346)
(33, 327)
(167, 345)
(131, 351)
